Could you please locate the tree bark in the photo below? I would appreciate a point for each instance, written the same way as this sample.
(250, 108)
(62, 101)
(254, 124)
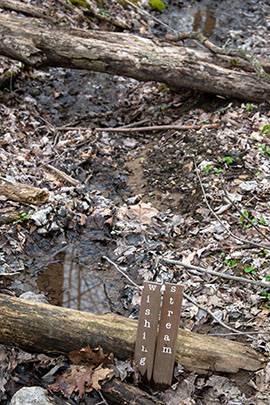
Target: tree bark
(41, 44)
(46, 328)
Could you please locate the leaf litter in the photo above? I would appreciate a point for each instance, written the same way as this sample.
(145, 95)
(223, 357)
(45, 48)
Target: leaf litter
(138, 199)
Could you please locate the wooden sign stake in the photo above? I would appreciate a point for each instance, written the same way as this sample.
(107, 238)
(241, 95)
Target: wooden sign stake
(147, 329)
(167, 335)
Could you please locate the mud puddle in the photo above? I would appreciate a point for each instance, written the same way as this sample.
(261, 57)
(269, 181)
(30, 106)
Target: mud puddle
(69, 284)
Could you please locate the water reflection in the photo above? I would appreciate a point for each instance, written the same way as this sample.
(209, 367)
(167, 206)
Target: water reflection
(204, 21)
(71, 285)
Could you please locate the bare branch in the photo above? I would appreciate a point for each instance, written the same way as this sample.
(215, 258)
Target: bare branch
(196, 269)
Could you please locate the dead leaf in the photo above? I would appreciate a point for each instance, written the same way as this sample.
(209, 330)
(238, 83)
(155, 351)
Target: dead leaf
(79, 379)
(89, 356)
(100, 374)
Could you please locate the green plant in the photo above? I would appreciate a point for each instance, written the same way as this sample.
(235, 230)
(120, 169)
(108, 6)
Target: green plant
(249, 107)
(249, 269)
(157, 5)
(218, 170)
(262, 222)
(267, 277)
(227, 160)
(231, 263)
(245, 217)
(265, 296)
(207, 169)
(266, 129)
(104, 12)
(263, 252)
(265, 150)
(163, 107)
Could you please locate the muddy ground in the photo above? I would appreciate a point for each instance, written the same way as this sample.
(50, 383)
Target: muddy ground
(142, 196)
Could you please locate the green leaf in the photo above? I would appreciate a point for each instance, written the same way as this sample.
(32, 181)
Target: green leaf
(250, 269)
(227, 160)
(249, 107)
(262, 221)
(265, 128)
(207, 169)
(157, 5)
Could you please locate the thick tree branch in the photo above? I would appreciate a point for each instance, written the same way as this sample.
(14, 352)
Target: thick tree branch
(40, 44)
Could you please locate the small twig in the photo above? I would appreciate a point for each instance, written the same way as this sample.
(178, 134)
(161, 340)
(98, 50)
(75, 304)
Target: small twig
(122, 272)
(103, 399)
(196, 269)
(61, 174)
(237, 333)
(69, 128)
(261, 246)
(243, 215)
(9, 274)
(158, 128)
(65, 128)
(143, 12)
(187, 297)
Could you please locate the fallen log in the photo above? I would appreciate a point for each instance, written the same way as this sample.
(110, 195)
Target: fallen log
(47, 328)
(41, 44)
(23, 193)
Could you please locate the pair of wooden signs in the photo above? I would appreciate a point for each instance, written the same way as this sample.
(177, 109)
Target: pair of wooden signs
(157, 332)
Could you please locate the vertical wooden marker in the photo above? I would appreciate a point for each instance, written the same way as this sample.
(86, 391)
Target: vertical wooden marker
(147, 329)
(167, 335)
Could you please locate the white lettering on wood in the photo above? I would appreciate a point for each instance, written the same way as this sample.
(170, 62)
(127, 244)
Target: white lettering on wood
(147, 324)
(142, 361)
(166, 350)
(152, 287)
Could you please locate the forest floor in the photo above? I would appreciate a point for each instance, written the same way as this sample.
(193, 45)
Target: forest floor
(199, 195)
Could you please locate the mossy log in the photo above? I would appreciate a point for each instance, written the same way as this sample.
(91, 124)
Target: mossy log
(39, 43)
(47, 328)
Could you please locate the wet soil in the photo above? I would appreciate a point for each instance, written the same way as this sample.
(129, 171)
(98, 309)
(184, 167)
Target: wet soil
(159, 167)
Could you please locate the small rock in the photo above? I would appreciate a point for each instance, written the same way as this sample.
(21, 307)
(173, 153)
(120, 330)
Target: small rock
(40, 217)
(31, 396)
(248, 186)
(29, 295)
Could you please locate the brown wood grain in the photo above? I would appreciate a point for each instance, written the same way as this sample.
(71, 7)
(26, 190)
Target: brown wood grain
(167, 335)
(147, 329)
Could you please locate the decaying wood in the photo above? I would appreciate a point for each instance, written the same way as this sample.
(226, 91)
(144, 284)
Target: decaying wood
(40, 44)
(47, 328)
(10, 214)
(25, 8)
(23, 193)
(120, 393)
